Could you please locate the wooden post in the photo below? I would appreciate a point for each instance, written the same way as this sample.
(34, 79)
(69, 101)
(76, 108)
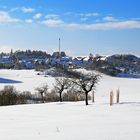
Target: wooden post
(93, 97)
(118, 96)
(111, 98)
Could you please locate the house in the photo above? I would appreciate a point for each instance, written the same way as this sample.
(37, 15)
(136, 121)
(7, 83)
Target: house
(52, 61)
(78, 61)
(39, 61)
(64, 61)
(6, 59)
(29, 65)
(87, 61)
(25, 64)
(82, 61)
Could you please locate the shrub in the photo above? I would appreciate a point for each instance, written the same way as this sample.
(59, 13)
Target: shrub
(74, 95)
(51, 96)
(10, 96)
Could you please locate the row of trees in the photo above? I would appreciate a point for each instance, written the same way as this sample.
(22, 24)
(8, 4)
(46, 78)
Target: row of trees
(30, 54)
(76, 87)
(78, 82)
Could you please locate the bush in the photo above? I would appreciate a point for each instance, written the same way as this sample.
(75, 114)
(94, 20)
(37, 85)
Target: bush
(52, 96)
(73, 95)
(10, 96)
(6, 66)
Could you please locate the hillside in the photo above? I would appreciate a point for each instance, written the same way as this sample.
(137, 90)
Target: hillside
(127, 64)
(70, 121)
(122, 65)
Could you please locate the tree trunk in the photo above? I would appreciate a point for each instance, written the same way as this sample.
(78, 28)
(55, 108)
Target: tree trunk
(86, 98)
(42, 97)
(60, 97)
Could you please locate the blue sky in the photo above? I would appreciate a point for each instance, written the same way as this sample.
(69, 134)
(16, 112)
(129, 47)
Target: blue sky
(85, 26)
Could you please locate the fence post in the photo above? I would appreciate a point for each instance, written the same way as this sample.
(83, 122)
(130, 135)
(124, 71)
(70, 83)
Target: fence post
(93, 97)
(118, 96)
(111, 98)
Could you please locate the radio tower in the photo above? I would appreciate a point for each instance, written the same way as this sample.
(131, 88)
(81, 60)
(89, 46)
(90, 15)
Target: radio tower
(59, 48)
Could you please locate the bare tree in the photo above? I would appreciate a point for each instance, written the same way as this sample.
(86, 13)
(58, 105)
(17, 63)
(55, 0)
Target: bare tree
(42, 90)
(62, 84)
(87, 83)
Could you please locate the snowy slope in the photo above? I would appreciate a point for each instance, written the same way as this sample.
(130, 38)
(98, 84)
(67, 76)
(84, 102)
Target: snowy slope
(70, 121)
(29, 80)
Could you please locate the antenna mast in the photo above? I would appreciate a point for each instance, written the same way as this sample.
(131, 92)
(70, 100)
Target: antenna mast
(59, 45)
(59, 48)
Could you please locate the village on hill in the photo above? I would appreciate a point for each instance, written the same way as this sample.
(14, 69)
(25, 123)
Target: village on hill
(115, 65)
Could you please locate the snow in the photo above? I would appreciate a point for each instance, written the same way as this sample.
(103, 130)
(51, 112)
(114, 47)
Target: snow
(26, 80)
(128, 75)
(72, 120)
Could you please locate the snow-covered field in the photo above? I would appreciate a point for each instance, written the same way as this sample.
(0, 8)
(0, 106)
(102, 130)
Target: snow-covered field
(24, 80)
(72, 121)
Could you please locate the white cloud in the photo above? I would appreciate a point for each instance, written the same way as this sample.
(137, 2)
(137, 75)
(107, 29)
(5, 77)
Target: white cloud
(107, 25)
(29, 21)
(89, 14)
(52, 16)
(129, 24)
(37, 16)
(27, 9)
(6, 18)
(110, 18)
(86, 16)
(23, 9)
(53, 22)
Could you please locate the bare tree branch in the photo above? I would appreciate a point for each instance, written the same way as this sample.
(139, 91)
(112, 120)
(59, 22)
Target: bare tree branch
(87, 83)
(62, 84)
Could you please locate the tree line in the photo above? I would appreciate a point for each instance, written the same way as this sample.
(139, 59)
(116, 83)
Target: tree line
(75, 87)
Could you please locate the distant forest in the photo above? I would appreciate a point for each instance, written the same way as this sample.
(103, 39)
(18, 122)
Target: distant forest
(31, 54)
